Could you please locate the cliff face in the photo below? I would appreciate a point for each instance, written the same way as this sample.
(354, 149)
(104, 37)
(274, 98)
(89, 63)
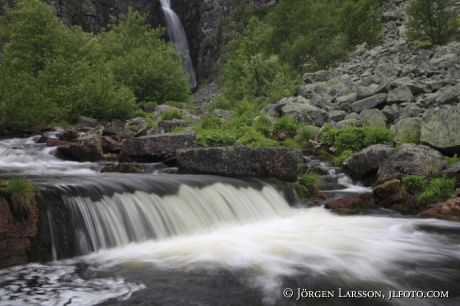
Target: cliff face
(200, 19)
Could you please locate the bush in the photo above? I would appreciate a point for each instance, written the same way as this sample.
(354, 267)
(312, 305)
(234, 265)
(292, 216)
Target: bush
(433, 20)
(304, 134)
(132, 128)
(338, 160)
(291, 144)
(285, 124)
(171, 114)
(414, 183)
(263, 125)
(147, 117)
(20, 192)
(452, 160)
(211, 138)
(249, 136)
(350, 138)
(210, 122)
(438, 190)
(309, 178)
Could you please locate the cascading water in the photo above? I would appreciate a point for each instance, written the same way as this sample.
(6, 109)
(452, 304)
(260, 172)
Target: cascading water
(158, 239)
(177, 35)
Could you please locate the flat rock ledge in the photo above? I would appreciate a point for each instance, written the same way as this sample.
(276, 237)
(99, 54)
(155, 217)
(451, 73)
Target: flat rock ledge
(281, 163)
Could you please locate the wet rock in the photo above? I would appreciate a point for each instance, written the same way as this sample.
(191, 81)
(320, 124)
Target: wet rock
(368, 160)
(155, 148)
(123, 168)
(86, 147)
(281, 163)
(440, 128)
(411, 159)
(387, 189)
(448, 210)
(69, 135)
(15, 234)
(358, 201)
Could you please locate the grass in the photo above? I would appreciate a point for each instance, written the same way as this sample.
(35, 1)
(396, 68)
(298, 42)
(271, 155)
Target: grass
(133, 128)
(438, 190)
(19, 192)
(452, 160)
(171, 114)
(304, 134)
(285, 124)
(338, 160)
(414, 183)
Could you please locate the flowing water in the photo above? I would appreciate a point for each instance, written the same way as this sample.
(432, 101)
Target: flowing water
(168, 239)
(176, 34)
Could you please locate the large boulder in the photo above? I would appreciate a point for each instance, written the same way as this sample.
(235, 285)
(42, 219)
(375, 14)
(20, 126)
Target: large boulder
(305, 113)
(281, 163)
(155, 148)
(440, 128)
(161, 109)
(123, 168)
(448, 210)
(369, 102)
(117, 128)
(86, 147)
(411, 159)
(453, 172)
(368, 160)
(406, 129)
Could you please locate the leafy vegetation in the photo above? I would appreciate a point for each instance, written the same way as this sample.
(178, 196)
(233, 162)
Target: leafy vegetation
(20, 192)
(171, 114)
(433, 20)
(285, 124)
(452, 160)
(132, 128)
(53, 73)
(438, 189)
(414, 183)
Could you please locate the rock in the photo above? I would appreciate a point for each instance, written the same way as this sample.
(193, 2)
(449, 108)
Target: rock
(223, 114)
(337, 115)
(169, 125)
(373, 117)
(42, 139)
(15, 235)
(155, 131)
(410, 110)
(163, 108)
(387, 189)
(123, 168)
(117, 128)
(368, 160)
(448, 94)
(344, 102)
(305, 113)
(399, 95)
(407, 129)
(411, 159)
(53, 142)
(387, 70)
(453, 172)
(86, 122)
(137, 121)
(86, 147)
(203, 97)
(142, 132)
(414, 86)
(368, 103)
(448, 210)
(440, 128)
(322, 100)
(445, 61)
(391, 112)
(155, 148)
(281, 163)
(358, 201)
(69, 135)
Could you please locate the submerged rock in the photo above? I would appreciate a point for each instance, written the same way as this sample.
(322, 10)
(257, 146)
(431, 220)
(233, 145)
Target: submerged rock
(281, 163)
(123, 168)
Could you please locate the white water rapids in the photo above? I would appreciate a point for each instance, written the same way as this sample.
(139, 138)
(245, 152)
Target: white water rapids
(205, 240)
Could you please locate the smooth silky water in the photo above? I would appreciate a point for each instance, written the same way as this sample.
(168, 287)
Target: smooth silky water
(161, 239)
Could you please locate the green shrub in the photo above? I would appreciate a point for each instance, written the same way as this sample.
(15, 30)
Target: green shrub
(178, 129)
(291, 144)
(249, 136)
(285, 124)
(350, 138)
(210, 122)
(20, 192)
(414, 183)
(174, 104)
(452, 160)
(377, 134)
(147, 117)
(338, 160)
(215, 138)
(422, 45)
(309, 178)
(304, 134)
(438, 190)
(329, 135)
(433, 20)
(263, 125)
(171, 114)
(133, 128)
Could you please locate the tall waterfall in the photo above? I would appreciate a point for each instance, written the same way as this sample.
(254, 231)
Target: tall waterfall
(177, 35)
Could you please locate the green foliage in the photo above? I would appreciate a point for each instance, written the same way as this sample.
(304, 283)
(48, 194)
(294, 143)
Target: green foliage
(291, 144)
(438, 190)
(433, 20)
(263, 125)
(414, 183)
(338, 160)
(174, 104)
(411, 135)
(422, 45)
(356, 138)
(20, 192)
(218, 138)
(178, 129)
(285, 124)
(377, 134)
(248, 136)
(210, 122)
(304, 134)
(133, 128)
(147, 117)
(309, 178)
(452, 160)
(53, 73)
(171, 114)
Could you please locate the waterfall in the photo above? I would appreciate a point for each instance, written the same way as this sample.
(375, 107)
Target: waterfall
(177, 35)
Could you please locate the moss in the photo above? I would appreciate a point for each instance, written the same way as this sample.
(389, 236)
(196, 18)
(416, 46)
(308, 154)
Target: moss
(19, 192)
(349, 211)
(301, 190)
